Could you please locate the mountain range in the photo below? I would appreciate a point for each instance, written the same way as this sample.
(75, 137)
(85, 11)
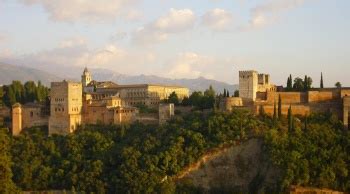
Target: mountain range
(47, 75)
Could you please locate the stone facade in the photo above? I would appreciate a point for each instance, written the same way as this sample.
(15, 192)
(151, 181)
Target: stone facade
(65, 107)
(72, 104)
(251, 82)
(145, 94)
(257, 92)
(28, 115)
(346, 106)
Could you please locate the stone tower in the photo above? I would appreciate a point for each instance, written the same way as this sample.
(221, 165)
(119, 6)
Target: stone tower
(86, 78)
(248, 84)
(65, 107)
(16, 119)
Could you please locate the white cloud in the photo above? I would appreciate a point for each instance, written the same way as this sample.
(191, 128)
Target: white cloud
(189, 65)
(270, 12)
(175, 21)
(217, 19)
(85, 10)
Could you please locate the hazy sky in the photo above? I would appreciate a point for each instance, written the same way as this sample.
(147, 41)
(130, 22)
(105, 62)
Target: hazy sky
(182, 38)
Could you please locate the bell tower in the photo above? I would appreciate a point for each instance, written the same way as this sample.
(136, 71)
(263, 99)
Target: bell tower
(86, 78)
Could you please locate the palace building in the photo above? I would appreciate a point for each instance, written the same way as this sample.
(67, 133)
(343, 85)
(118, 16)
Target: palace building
(90, 102)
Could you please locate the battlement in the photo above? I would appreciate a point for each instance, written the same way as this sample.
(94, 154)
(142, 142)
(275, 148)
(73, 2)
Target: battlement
(247, 73)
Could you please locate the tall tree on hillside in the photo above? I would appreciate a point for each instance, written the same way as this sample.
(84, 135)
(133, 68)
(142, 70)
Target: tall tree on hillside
(279, 107)
(305, 83)
(289, 83)
(298, 84)
(236, 94)
(290, 119)
(29, 91)
(321, 82)
(338, 85)
(225, 94)
(228, 94)
(7, 186)
(173, 98)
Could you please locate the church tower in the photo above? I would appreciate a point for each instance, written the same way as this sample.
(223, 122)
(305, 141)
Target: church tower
(86, 78)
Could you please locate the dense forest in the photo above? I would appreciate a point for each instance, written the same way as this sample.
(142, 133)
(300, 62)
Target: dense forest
(145, 158)
(23, 93)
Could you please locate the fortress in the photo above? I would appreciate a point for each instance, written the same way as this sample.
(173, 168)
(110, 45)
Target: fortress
(91, 102)
(256, 92)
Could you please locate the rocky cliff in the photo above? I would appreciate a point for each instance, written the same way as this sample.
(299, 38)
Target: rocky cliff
(241, 168)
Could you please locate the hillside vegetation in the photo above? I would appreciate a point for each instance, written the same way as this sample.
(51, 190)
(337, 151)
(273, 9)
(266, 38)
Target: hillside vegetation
(147, 159)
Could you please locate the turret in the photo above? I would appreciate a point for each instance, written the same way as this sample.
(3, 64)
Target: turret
(16, 119)
(86, 78)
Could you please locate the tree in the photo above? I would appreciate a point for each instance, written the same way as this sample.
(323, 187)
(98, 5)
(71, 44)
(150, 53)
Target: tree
(279, 107)
(321, 82)
(225, 94)
(338, 85)
(290, 83)
(298, 84)
(7, 186)
(236, 94)
(228, 94)
(290, 119)
(173, 98)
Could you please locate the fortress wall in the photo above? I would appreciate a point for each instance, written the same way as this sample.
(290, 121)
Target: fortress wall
(32, 117)
(321, 96)
(345, 92)
(287, 97)
(261, 96)
(305, 109)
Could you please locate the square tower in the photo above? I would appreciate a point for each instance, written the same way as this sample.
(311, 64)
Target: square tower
(65, 107)
(248, 84)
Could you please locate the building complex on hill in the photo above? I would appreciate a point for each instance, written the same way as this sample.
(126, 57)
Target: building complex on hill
(256, 92)
(91, 102)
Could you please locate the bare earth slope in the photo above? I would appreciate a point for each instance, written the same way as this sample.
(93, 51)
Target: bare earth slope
(242, 169)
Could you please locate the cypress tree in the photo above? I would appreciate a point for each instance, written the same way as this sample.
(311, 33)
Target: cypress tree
(279, 107)
(228, 93)
(225, 94)
(321, 83)
(305, 83)
(290, 119)
(290, 83)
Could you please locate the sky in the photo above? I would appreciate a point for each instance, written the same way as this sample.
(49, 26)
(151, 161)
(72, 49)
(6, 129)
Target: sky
(182, 38)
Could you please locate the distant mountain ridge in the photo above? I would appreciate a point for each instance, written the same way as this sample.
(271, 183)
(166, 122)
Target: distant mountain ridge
(8, 73)
(47, 75)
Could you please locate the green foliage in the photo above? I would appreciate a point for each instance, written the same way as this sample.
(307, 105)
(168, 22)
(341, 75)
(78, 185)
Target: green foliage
(321, 82)
(315, 154)
(201, 100)
(290, 83)
(145, 109)
(236, 94)
(338, 85)
(29, 92)
(279, 107)
(6, 183)
(173, 98)
(124, 159)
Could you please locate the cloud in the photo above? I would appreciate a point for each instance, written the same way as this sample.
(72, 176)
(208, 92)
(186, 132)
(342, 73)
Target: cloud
(75, 53)
(86, 10)
(217, 19)
(175, 21)
(189, 65)
(270, 12)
